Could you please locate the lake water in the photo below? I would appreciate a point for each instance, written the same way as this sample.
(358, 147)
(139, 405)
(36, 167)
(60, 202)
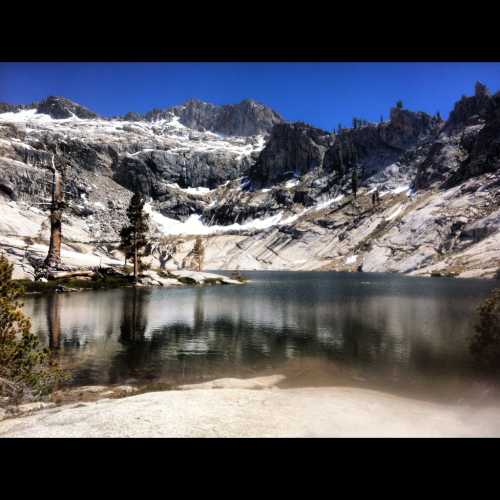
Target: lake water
(404, 335)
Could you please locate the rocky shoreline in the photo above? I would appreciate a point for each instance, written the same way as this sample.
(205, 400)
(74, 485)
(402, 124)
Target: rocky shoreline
(251, 408)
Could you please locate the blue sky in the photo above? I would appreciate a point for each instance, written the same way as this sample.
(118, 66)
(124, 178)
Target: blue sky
(322, 94)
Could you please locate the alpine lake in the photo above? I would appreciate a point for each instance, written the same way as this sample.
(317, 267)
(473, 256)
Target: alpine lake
(386, 332)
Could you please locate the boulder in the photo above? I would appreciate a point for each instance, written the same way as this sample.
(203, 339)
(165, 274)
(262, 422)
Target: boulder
(375, 260)
(483, 228)
(228, 281)
(236, 383)
(91, 388)
(125, 388)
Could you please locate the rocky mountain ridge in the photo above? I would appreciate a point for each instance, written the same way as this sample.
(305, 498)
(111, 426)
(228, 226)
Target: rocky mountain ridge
(245, 118)
(273, 201)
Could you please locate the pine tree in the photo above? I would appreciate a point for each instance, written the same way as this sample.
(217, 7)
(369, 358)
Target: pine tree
(340, 127)
(399, 104)
(199, 252)
(347, 156)
(355, 122)
(339, 162)
(354, 155)
(354, 180)
(133, 235)
(25, 370)
(439, 117)
(381, 119)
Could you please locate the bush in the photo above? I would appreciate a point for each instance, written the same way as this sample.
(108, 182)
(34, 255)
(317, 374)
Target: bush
(25, 370)
(128, 269)
(238, 276)
(485, 345)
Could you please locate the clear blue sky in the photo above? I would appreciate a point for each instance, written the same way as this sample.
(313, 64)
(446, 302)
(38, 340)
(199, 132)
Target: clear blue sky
(322, 94)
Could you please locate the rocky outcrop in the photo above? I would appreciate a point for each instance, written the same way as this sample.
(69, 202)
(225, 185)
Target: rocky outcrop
(245, 118)
(468, 144)
(55, 106)
(293, 149)
(406, 128)
(59, 107)
(177, 205)
(149, 172)
(469, 111)
(197, 115)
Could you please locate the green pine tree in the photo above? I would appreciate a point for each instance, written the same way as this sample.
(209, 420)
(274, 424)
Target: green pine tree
(355, 122)
(381, 119)
(399, 104)
(354, 180)
(25, 370)
(199, 252)
(339, 160)
(354, 155)
(133, 235)
(439, 117)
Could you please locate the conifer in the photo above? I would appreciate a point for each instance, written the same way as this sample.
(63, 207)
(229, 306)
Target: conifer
(339, 162)
(199, 252)
(354, 180)
(25, 370)
(133, 235)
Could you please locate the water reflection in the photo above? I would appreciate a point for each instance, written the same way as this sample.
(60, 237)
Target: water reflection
(383, 328)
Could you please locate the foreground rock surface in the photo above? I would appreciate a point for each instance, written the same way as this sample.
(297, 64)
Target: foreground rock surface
(305, 412)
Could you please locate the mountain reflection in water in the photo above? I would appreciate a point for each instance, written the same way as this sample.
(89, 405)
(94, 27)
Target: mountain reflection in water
(384, 331)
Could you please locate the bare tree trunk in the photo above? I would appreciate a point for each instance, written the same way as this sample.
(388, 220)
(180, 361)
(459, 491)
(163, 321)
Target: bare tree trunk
(53, 258)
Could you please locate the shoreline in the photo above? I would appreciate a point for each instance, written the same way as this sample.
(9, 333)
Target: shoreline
(257, 408)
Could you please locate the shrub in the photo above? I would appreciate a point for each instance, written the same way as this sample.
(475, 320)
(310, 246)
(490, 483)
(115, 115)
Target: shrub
(144, 266)
(25, 370)
(127, 270)
(238, 276)
(485, 345)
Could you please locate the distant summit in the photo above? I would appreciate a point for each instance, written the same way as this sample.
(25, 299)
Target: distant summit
(55, 106)
(245, 118)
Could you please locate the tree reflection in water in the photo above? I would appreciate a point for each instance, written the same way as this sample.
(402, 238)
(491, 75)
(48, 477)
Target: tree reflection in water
(380, 327)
